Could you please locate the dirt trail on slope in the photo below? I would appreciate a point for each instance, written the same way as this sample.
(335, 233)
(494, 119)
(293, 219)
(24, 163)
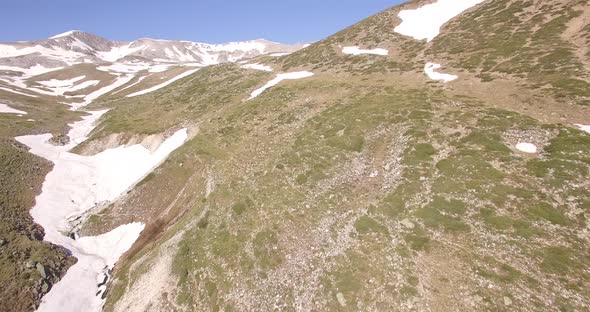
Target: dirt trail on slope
(146, 293)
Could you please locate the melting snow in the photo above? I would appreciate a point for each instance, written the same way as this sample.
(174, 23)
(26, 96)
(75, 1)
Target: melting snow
(357, 51)
(117, 53)
(96, 94)
(59, 87)
(162, 85)
(279, 78)
(584, 127)
(8, 110)
(124, 68)
(55, 83)
(425, 22)
(55, 53)
(131, 85)
(67, 33)
(75, 185)
(31, 71)
(158, 68)
(527, 148)
(258, 67)
(430, 68)
(279, 54)
(16, 92)
(237, 46)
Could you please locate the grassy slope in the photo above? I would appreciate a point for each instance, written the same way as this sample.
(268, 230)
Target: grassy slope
(519, 39)
(292, 175)
(453, 219)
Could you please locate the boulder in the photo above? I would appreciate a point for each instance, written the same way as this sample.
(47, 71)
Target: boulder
(42, 270)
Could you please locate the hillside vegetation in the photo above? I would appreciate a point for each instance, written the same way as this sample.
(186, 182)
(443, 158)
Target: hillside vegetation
(367, 186)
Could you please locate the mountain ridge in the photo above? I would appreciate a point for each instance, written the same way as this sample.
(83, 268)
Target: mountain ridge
(102, 49)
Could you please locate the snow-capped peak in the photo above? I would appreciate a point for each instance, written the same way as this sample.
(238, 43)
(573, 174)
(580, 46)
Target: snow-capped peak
(65, 34)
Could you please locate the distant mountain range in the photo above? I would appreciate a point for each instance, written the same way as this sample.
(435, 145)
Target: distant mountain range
(74, 47)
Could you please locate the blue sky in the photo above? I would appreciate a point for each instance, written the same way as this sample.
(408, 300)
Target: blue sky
(210, 21)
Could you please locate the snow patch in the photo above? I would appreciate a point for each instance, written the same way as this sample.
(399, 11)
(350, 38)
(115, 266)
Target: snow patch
(279, 78)
(55, 53)
(280, 54)
(17, 92)
(65, 34)
(430, 68)
(162, 85)
(131, 85)
(527, 147)
(59, 87)
(584, 127)
(124, 68)
(117, 53)
(357, 51)
(425, 22)
(31, 71)
(257, 67)
(78, 290)
(158, 68)
(96, 94)
(8, 110)
(55, 83)
(76, 184)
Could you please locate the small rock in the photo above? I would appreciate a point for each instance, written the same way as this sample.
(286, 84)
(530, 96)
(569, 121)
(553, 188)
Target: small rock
(45, 287)
(60, 140)
(407, 224)
(3, 242)
(30, 264)
(507, 301)
(477, 299)
(42, 270)
(578, 211)
(341, 300)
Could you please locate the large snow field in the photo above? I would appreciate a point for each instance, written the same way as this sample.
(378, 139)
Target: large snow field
(358, 51)
(76, 184)
(279, 78)
(430, 70)
(425, 22)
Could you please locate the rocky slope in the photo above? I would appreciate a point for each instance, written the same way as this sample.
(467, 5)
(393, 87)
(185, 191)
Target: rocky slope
(440, 166)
